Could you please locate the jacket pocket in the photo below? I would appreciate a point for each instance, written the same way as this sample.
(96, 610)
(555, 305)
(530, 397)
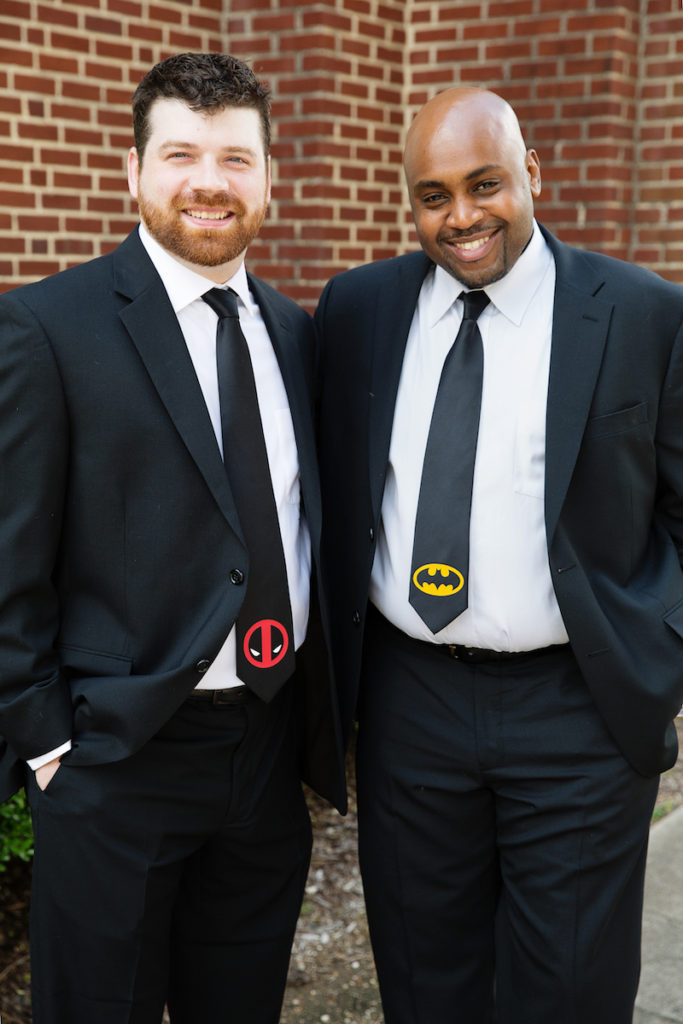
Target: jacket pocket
(85, 661)
(616, 422)
(674, 619)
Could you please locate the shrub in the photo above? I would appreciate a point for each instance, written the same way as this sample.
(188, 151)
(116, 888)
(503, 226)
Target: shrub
(16, 832)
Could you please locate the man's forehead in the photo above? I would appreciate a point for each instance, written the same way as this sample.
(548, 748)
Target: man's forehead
(166, 108)
(468, 153)
(480, 122)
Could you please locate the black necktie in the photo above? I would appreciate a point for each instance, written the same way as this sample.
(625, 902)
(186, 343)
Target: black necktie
(438, 577)
(265, 641)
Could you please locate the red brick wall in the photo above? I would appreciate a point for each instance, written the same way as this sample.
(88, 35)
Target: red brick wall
(337, 73)
(658, 231)
(67, 72)
(598, 86)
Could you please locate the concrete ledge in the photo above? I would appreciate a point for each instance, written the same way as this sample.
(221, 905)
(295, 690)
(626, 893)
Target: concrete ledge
(660, 995)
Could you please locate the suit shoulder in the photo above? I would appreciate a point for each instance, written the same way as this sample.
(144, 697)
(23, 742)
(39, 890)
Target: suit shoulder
(639, 295)
(67, 287)
(282, 304)
(631, 275)
(620, 279)
(382, 271)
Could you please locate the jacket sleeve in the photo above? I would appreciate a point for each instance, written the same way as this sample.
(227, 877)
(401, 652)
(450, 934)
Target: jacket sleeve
(35, 709)
(669, 447)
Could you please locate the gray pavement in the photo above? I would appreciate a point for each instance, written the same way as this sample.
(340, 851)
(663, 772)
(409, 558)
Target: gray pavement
(660, 996)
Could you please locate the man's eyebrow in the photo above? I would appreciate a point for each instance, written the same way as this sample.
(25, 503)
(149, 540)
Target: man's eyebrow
(429, 184)
(228, 148)
(486, 169)
(477, 173)
(176, 144)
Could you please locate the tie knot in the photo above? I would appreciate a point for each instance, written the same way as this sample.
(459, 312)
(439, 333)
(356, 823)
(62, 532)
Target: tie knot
(223, 301)
(474, 302)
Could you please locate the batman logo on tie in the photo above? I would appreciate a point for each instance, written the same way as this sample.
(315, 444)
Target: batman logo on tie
(438, 580)
(265, 643)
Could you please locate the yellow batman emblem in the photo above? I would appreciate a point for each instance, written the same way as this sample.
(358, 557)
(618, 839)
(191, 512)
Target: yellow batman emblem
(438, 580)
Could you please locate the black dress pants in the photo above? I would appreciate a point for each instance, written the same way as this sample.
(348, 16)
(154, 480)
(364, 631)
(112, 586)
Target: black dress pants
(503, 840)
(173, 876)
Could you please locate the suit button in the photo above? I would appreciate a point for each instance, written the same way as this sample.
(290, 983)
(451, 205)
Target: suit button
(236, 577)
(202, 666)
(372, 534)
(356, 618)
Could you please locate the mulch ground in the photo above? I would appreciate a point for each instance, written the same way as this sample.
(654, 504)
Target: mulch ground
(332, 978)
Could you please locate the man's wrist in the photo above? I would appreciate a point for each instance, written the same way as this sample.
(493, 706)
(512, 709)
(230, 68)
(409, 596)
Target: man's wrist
(37, 762)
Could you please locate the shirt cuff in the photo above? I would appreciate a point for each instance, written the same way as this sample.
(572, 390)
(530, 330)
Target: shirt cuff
(37, 762)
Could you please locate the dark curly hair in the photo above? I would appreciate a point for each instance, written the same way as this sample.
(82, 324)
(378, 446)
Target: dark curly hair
(204, 81)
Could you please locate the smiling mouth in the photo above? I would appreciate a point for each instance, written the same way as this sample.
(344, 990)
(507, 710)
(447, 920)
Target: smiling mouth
(211, 216)
(472, 248)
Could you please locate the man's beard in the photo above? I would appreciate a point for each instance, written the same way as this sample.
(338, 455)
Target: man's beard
(205, 248)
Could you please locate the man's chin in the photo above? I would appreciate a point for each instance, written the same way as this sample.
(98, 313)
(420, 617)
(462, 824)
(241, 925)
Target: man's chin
(470, 275)
(201, 257)
(204, 251)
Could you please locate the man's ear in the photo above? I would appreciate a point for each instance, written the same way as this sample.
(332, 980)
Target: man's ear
(533, 166)
(133, 172)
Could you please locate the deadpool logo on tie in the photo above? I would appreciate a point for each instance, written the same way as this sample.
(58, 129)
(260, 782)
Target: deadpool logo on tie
(265, 643)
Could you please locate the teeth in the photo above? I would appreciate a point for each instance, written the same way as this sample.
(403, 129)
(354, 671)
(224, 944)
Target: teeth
(207, 216)
(469, 246)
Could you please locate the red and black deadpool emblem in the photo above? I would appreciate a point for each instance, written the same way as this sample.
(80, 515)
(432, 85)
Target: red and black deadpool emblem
(265, 643)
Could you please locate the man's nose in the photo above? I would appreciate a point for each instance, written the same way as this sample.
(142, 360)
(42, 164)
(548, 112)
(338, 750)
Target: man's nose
(464, 212)
(208, 175)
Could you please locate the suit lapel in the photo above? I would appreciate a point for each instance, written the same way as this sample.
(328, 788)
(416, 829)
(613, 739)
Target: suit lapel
(288, 351)
(581, 321)
(389, 333)
(155, 332)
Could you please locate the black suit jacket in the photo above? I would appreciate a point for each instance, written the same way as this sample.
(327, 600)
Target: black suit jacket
(614, 474)
(118, 529)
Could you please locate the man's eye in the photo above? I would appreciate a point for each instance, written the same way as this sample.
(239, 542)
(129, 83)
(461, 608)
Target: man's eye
(486, 186)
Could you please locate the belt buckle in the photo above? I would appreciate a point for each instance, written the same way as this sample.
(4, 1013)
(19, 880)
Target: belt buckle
(465, 653)
(232, 695)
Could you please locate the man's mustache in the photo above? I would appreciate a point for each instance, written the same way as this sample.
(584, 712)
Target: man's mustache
(211, 201)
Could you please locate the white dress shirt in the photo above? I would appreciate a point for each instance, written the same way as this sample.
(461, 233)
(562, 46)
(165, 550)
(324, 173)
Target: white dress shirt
(511, 602)
(198, 324)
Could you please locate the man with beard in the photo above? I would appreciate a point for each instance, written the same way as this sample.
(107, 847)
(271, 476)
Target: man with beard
(157, 695)
(502, 471)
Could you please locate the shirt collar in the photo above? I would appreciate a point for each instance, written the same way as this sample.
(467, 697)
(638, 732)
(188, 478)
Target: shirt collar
(511, 295)
(183, 285)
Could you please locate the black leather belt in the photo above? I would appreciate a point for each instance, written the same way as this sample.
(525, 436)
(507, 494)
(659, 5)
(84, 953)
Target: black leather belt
(232, 695)
(461, 652)
(480, 655)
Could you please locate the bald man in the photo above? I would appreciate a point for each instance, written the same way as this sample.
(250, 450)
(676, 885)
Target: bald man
(502, 458)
